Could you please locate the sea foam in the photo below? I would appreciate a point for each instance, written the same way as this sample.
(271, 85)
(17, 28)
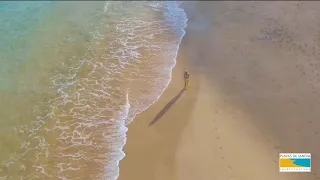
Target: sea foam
(79, 130)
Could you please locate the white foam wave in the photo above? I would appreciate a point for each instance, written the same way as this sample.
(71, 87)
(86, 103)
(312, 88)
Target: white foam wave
(124, 115)
(179, 27)
(90, 113)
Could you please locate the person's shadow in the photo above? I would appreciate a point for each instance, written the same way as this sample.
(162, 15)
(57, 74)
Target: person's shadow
(166, 108)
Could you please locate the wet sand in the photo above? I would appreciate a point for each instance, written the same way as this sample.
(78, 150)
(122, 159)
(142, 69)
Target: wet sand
(254, 92)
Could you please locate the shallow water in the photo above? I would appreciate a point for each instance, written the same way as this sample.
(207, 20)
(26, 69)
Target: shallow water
(72, 75)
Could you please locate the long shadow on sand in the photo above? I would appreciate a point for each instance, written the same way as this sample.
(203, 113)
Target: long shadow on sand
(166, 108)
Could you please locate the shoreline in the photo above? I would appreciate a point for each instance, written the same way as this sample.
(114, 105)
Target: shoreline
(171, 95)
(126, 124)
(246, 101)
(146, 119)
(86, 83)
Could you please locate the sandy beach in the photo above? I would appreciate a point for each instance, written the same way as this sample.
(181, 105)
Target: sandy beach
(254, 92)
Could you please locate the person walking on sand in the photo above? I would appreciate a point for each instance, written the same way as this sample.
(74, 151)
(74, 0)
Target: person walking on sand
(186, 79)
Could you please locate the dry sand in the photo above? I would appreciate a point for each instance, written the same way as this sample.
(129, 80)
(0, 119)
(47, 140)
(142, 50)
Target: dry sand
(254, 92)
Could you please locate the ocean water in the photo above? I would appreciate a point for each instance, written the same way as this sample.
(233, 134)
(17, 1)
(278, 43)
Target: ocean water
(72, 76)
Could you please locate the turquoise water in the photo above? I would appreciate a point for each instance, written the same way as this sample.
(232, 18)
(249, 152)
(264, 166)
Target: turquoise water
(72, 76)
(18, 22)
